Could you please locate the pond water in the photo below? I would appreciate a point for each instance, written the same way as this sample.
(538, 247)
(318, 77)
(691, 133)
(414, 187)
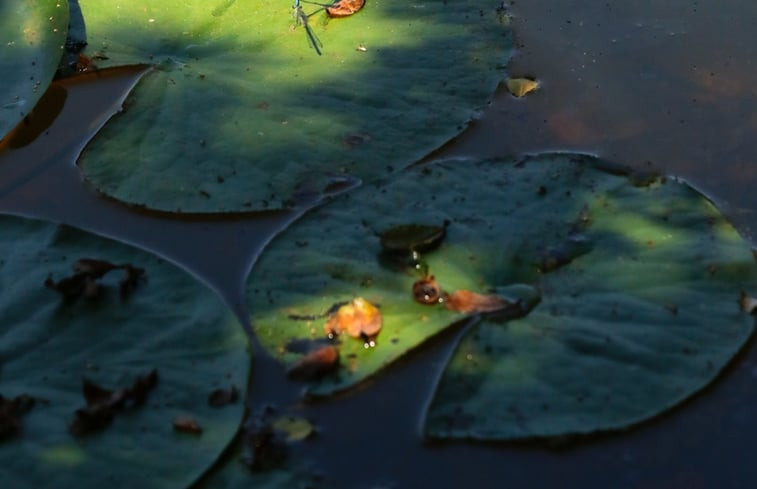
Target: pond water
(668, 85)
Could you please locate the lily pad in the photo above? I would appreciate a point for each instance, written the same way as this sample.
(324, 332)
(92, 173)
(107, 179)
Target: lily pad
(240, 114)
(32, 34)
(639, 286)
(152, 352)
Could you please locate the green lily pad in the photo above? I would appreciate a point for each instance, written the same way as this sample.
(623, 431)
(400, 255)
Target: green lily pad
(49, 343)
(240, 114)
(32, 34)
(639, 286)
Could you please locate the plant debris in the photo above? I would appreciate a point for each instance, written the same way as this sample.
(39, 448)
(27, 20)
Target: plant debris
(87, 271)
(466, 301)
(11, 411)
(358, 318)
(222, 397)
(103, 404)
(344, 8)
(267, 437)
(427, 291)
(187, 424)
(316, 364)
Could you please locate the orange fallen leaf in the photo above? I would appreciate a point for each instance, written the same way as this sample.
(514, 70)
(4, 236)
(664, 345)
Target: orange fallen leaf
(358, 318)
(466, 301)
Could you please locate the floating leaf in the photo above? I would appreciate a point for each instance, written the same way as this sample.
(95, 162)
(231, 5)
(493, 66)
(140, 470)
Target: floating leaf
(48, 345)
(633, 291)
(294, 427)
(32, 34)
(521, 86)
(239, 114)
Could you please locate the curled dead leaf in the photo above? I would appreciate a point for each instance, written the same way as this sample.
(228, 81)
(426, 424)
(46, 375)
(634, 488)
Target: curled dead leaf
(344, 8)
(358, 318)
(466, 301)
(316, 364)
(521, 86)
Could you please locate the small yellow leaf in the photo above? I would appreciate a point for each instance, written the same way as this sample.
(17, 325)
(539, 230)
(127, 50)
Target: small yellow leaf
(296, 429)
(521, 86)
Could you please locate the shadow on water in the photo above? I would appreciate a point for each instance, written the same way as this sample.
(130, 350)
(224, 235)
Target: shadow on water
(636, 83)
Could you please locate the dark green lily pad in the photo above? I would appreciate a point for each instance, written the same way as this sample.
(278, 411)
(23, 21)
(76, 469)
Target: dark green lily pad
(32, 34)
(49, 343)
(639, 291)
(240, 114)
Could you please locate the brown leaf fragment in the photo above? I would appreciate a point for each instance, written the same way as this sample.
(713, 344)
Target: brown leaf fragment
(103, 404)
(187, 424)
(358, 318)
(316, 364)
(11, 411)
(466, 301)
(222, 397)
(748, 304)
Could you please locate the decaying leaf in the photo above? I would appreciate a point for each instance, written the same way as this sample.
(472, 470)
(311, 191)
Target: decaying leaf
(187, 424)
(748, 303)
(222, 397)
(344, 8)
(315, 364)
(10, 414)
(87, 272)
(521, 86)
(466, 302)
(294, 428)
(103, 404)
(358, 318)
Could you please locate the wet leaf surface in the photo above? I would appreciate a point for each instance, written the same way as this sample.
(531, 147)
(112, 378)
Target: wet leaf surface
(48, 346)
(589, 298)
(279, 122)
(32, 44)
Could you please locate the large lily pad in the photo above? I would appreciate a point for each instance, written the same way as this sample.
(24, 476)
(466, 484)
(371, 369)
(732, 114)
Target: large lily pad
(32, 34)
(240, 114)
(48, 344)
(639, 284)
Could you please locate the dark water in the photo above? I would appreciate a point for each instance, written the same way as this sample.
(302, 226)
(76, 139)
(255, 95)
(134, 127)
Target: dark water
(672, 85)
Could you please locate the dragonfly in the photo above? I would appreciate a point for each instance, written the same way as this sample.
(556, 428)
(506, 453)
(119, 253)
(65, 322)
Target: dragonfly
(301, 18)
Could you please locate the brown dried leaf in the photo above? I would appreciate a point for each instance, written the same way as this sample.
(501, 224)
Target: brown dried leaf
(466, 301)
(316, 364)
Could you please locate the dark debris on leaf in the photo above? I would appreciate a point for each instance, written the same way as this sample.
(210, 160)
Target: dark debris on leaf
(11, 411)
(87, 272)
(103, 404)
(266, 447)
(222, 397)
